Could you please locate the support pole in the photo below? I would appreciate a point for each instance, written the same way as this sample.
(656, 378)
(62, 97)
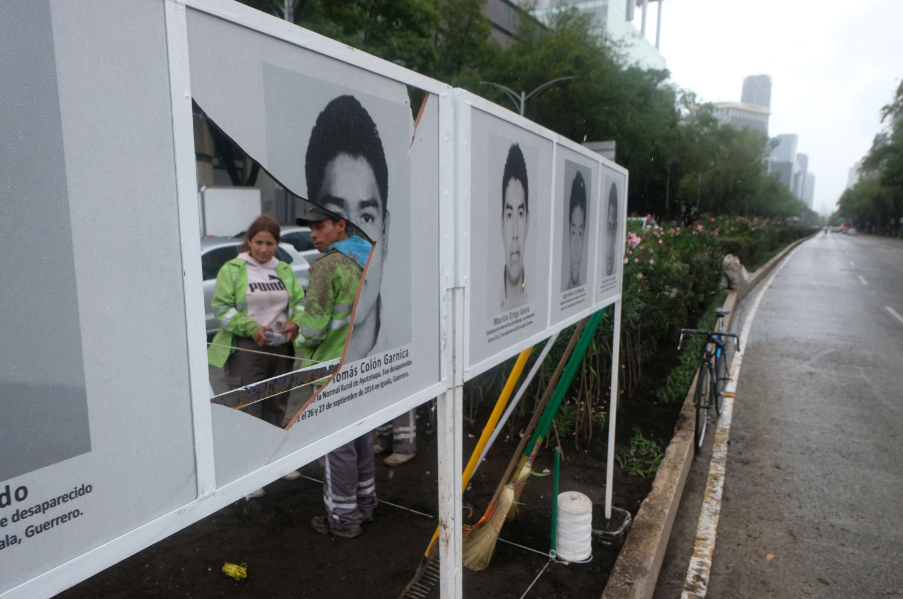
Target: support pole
(613, 407)
(643, 26)
(553, 553)
(658, 25)
(450, 432)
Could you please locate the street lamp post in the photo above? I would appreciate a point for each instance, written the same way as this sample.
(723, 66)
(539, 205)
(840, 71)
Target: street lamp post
(520, 100)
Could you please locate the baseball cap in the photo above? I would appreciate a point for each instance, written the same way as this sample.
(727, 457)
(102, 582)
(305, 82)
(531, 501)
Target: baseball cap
(315, 214)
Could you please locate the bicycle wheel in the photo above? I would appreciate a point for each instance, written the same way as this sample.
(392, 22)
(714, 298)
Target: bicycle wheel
(719, 381)
(702, 400)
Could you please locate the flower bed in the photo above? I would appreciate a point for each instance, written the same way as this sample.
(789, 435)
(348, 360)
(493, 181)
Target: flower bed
(672, 276)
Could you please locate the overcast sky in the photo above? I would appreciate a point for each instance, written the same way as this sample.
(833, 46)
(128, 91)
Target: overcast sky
(833, 66)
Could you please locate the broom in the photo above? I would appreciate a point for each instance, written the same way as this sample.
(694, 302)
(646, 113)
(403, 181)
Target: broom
(542, 430)
(487, 431)
(532, 424)
(479, 544)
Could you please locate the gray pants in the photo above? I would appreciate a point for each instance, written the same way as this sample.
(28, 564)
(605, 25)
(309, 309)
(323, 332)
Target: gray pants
(400, 435)
(349, 483)
(244, 368)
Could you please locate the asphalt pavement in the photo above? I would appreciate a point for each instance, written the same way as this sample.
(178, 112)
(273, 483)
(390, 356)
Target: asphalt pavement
(813, 493)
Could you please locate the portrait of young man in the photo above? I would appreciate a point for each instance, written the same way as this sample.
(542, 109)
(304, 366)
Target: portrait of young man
(515, 225)
(611, 231)
(347, 174)
(576, 219)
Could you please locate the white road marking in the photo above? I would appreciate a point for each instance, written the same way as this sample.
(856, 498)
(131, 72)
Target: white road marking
(697, 581)
(894, 313)
(862, 280)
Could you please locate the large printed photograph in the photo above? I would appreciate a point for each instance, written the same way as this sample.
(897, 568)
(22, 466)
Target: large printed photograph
(575, 233)
(577, 191)
(509, 223)
(355, 166)
(343, 147)
(613, 205)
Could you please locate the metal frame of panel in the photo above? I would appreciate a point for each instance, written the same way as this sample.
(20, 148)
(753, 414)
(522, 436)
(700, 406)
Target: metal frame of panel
(455, 146)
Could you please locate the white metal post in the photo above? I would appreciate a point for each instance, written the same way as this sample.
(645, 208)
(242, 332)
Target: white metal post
(613, 407)
(658, 25)
(643, 27)
(187, 197)
(450, 431)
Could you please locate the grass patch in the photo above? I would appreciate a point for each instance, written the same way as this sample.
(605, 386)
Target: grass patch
(644, 457)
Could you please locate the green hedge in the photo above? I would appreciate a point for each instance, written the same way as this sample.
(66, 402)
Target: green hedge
(671, 280)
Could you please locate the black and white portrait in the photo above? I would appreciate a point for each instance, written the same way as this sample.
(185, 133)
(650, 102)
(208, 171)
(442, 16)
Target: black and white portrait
(611, 231)
(354, 164)
(576, 219)
(515, 224)
(346, 172)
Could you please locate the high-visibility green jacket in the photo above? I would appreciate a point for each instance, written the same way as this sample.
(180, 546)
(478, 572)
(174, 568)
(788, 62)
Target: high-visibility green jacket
(326, 320)
(231, 307)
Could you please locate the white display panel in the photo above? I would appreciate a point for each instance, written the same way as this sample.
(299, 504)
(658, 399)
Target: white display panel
(612, 225)
(109, 440)
(510, 212)
(298, 113)
(574, 234)
(106, 383)
(96, 431)
(526, 274)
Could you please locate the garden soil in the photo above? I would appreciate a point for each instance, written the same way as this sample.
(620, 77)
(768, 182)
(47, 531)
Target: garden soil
(286, 558)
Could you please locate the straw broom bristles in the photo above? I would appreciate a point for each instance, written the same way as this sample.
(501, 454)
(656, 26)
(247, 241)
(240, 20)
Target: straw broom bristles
(479, 545)
(480, 541)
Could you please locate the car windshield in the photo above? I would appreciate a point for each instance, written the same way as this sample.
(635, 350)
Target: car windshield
(281, 254)
(213, 260)
(300, 240)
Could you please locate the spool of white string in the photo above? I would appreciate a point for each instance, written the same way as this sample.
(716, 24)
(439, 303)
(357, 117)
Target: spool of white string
(575, 525)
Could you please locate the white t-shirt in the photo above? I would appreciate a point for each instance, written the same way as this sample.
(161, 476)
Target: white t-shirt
(266, 295)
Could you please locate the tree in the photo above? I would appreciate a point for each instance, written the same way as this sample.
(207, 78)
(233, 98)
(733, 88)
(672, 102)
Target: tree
(400, 31)
(875, 203)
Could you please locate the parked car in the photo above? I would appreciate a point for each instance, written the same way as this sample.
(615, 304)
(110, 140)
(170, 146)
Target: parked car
(299, 238)
(851, 231)
(216, 251)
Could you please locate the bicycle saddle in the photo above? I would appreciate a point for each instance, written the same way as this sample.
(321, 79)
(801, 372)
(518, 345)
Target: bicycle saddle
(722, 312)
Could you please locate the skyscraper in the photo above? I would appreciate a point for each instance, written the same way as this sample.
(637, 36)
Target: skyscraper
(799, 181)
(809, 192)
(786, 148)
(757, 90)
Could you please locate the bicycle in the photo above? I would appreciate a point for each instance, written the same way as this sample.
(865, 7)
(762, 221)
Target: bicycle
(713, 374)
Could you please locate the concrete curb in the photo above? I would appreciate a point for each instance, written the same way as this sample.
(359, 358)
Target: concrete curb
(640, 560)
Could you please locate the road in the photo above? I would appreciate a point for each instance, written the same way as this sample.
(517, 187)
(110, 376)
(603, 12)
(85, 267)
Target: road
(814, 472)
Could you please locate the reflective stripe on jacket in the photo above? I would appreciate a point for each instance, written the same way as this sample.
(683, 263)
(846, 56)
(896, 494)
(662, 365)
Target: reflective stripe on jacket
(231, 308)
(326, 319)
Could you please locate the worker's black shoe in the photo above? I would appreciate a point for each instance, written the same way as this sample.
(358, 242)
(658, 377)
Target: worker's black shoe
(321, 525)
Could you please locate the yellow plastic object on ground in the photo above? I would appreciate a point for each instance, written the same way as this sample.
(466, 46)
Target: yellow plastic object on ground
(235, 571)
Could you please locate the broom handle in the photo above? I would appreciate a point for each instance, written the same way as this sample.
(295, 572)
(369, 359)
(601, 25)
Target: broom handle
(555, 503)
(490, 426)
(539, 409)
(496, 414)
(514, 402)
(572, 366)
